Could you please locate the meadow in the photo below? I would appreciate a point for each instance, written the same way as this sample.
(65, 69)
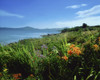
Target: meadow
(70, 55)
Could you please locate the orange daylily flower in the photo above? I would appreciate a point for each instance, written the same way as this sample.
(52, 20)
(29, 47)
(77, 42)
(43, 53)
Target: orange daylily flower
(72, 46)
(96, 47)
(70, 52)
(74, 50)
(65, 57)
(77, 50)
(31, 75)
(17, 76)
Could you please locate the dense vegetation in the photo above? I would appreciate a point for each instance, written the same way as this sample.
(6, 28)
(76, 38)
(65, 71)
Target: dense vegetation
(84, 27)
(72, 55)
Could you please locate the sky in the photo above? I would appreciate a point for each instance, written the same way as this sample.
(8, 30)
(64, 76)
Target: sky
(49, 13)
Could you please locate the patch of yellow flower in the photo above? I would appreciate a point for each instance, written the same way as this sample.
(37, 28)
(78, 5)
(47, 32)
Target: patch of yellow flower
(5, 70)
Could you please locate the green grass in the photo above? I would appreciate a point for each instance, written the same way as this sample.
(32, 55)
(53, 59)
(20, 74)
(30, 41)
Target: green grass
(44, 58)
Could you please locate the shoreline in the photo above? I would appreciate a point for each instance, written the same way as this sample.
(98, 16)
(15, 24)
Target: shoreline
(41, 36)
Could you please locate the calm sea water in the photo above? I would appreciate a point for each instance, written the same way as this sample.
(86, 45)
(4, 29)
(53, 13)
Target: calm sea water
(8, 36)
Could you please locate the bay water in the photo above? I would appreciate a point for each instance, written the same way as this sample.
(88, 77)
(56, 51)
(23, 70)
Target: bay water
(14, 35)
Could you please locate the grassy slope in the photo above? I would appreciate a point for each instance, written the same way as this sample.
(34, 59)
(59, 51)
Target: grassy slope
(45, 57)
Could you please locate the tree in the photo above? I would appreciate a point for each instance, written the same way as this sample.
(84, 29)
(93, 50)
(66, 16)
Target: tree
(84, 25)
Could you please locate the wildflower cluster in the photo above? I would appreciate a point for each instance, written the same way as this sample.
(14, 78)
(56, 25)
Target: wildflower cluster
(38, 53)
(17, 76)
(74, 50)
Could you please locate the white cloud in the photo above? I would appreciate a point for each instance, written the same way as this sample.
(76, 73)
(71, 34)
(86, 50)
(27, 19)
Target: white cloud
(76, 6)
(73, 6)
(93, 11)
(90, 16)
(4, 13)
(89, 20)
(83, 4)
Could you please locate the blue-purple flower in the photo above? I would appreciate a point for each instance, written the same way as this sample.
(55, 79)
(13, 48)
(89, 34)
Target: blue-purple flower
(44, 46)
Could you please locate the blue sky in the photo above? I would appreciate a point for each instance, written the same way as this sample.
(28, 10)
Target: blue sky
(49, 13)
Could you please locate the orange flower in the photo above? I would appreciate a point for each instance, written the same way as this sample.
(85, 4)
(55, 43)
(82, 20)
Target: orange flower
(16, 76)
(77, 50)
(99, 38)
(70, 52)
(72, 46)
(96, 47)
(1, 74)
(74, 50)
(19, 74)
(33, 61)
(65, 57)
(31, 75)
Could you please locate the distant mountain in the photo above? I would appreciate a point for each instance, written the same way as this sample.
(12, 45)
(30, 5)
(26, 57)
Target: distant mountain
(29, 28)
(22, 28)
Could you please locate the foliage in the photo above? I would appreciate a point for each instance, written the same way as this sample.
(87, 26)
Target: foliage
(84, 27)
(67, 56)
